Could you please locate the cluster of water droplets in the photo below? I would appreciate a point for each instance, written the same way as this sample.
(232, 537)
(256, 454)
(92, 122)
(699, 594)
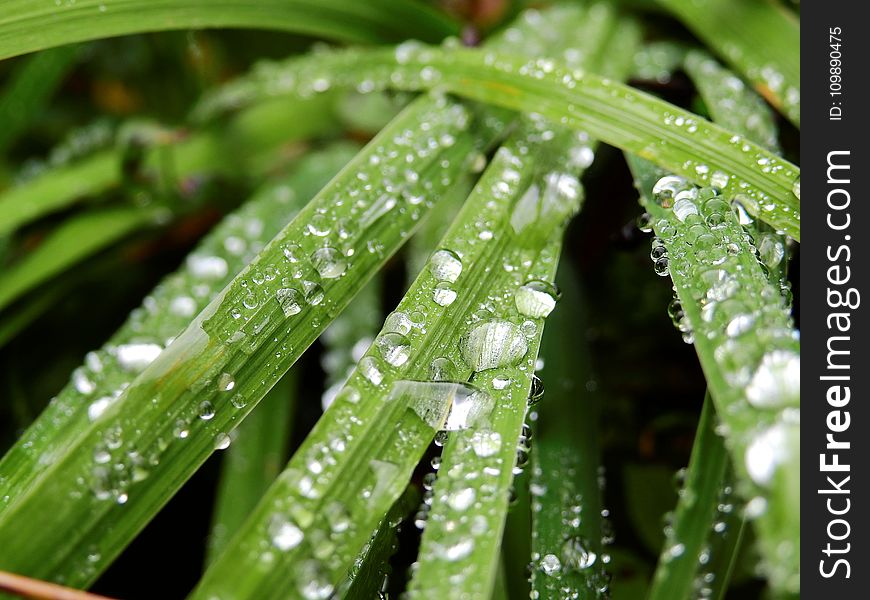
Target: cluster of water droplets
(569, 567)
(739, 315)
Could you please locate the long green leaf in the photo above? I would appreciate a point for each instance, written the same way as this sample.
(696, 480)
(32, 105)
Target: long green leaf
(99, 492)
(252, 462)
(749, 351)
(759, 38)
(162, 316)
(567, 528)
(451, 525)
(704, 524)
(359, 456)
(27, 26)
(666, 135)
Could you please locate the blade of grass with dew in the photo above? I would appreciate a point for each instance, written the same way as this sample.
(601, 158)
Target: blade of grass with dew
(163, 314)
(29, 89)
(567, 525)
(705, 520)
(252, 462)
(749, 351)
(760, 39)
(708, 521)
(245, 147)
(666, 135)
(459, 551)
(737, 107)
(456, 560)
(248, 336)
(26, 26)
(372, 567)
(72, 241)
(276, 522)
(98, 493)
(360, 455)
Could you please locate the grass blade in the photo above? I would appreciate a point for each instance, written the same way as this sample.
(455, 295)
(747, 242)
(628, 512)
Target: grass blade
(666, 135)
(459, 552)
(567, 532)
(72, 241)
(748, 349)
(732, 105)
(372, 566)
(705, 521)
(26, 26)
(164, 313)
(325, 487)
(29, 89)
(760, 39)
(252, 463)
(245, 147)
(462, 539)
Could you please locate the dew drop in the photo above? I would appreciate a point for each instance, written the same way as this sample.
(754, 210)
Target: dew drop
(290, 300)
(493, 344)
(394, 347)
(329, 262)
(536, 298)
(443, 294)
(445, 265)
(222, 441)
(226, 382)
(284, 534)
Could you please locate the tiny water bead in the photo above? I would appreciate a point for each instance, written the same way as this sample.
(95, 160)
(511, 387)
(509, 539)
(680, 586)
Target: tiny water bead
(226, 382)
(796, 188)
(536, 298)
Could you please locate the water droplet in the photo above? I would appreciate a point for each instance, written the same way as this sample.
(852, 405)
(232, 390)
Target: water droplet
(445, 265)
(443, 294)
(442, 369)
(206, 410)
(394, 347)
(222, 441)
(398, 322)
(313, 292)
(461, 499)
(661, 267)
(576, 555)
(226, 382)
(98, 407)
(493, 344)
(290, 300)
(536, 298)
(370, 369)
(796, 188)
(550, 564)
(329, 262)
(683, 207)
(207, 267)
(135, 357)
(765, 453)
(284, 534)
(485, 443)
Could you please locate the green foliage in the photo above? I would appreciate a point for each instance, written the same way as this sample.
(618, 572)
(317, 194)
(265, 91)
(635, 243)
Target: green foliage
(476, 166)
